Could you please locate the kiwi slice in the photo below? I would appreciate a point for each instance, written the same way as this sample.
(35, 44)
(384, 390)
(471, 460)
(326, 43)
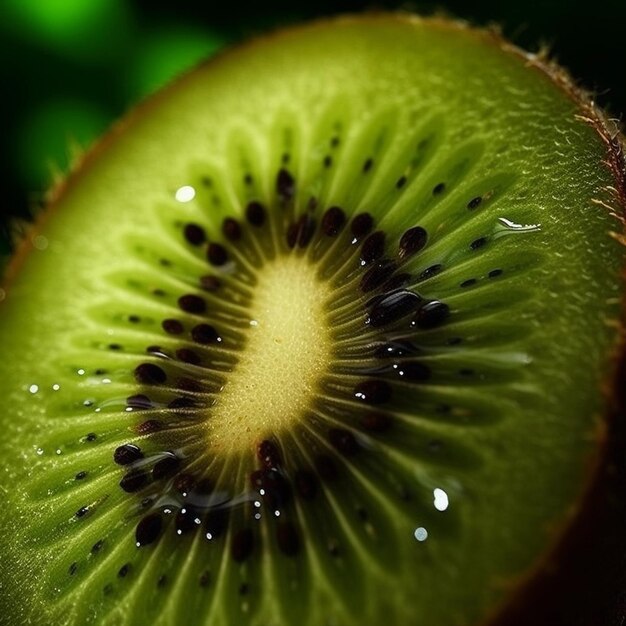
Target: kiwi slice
(323, 334)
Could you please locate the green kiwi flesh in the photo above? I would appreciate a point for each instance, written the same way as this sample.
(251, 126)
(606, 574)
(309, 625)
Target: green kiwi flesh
(319, 335)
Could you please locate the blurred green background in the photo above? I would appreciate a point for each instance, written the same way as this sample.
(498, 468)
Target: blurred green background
(70, 67)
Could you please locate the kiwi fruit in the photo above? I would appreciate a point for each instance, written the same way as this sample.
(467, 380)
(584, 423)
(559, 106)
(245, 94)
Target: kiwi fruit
(325, 333)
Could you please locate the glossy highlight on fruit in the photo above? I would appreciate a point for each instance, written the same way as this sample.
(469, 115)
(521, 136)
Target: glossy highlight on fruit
(322, 334)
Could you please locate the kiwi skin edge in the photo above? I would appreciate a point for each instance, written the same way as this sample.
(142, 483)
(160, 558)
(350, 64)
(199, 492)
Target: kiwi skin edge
(574, 566)
(582, 581)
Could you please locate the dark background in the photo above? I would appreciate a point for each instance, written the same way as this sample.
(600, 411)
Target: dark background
(69, 67)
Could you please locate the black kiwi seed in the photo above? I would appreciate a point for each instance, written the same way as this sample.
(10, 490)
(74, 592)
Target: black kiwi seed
(413, 371)
(273, 486)
(127, 454)
(217, 254)
(468, 283)
(495, 273)
(82, 512)
(374, 300)
(181, 403)
(401, 182)
(431, 314)
(439, 188)
(187, 520)
(268, 454)
(80, 475)
(474, 203)
(478, 243)
(231, 229)
(333, 221)
(123, 571)
(394, 307)
(361, 225)
(204, 334)
(377, 275)
(188, 356)
(189, 384)
(195, 234)
(134, 481)
(138, 402)
(148, 529)
(191, 303)
(431, 271)
(395, 349)
(412, 241)
(184, 483)
(373, 391)
(373, 247)
(210, 283)
(149, 426)
(397, 281)
(97, 546)
(285, 185)
(255, 213)
(165, 467)
(150, 374)
(172, 326)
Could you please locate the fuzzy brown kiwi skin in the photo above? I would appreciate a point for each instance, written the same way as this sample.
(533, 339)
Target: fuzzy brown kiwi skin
(581, 580)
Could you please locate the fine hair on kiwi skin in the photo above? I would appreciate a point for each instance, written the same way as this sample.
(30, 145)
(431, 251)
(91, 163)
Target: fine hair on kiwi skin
(427, 234)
